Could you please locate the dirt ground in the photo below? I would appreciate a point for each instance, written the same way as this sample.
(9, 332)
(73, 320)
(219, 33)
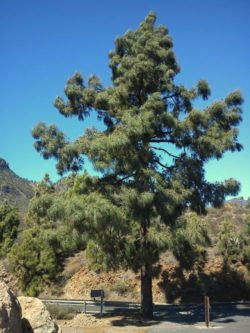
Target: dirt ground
(85, 323)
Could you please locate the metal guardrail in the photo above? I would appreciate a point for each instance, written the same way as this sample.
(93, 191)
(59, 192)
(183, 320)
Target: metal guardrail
(85, 306)
(95, 307)
(90, 306)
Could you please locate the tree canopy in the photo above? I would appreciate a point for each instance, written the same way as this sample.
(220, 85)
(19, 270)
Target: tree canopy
(150, 152)
(9, 223)
(37, 257)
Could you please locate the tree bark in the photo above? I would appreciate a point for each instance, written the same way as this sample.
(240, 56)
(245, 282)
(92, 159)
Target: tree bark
(146, 275)
(146, 291)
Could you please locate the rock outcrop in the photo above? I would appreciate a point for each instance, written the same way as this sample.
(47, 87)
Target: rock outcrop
(16, 190)
(10, 311)
(8, 278)
(36, 318)
(4, 164)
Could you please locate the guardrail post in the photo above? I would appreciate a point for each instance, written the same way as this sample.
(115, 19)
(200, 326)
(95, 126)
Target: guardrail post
(85, 306)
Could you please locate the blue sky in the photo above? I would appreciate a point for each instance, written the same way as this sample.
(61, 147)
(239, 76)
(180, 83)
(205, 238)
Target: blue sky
(44, 42)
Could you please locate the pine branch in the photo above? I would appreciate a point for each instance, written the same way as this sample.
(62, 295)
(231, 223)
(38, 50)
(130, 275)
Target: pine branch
(171, 96)
(167, 152)
(161, 141)
(113, 179)
(170, 132)
(124, 178)
(162, 165)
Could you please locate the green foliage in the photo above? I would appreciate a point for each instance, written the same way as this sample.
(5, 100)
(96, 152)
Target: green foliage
(189, 241)
(104, 222)
(37, 258)
(34, 261)
(122, 287)
(61, 312)
(246, 242)
(95, 256)
(229, 243)
(9, 222)
(150, 152)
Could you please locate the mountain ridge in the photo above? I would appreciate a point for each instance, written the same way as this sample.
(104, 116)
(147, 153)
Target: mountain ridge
(17, 191)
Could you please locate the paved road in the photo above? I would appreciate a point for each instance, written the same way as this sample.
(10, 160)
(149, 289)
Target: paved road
(189, 319)
(183, 318)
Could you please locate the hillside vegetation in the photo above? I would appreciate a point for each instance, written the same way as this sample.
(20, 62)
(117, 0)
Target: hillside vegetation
(220, 277)
(53, 256)
(15, 190)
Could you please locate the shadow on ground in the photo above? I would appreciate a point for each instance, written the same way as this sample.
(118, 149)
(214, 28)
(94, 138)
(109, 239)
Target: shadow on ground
(186, 314)
(225, 284)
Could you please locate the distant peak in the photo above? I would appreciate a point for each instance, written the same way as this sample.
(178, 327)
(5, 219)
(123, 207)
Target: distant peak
(3, 164)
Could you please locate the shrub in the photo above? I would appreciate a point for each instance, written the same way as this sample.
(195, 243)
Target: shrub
(122, 287)
(229, 243)
(61, 312)
(9, 222)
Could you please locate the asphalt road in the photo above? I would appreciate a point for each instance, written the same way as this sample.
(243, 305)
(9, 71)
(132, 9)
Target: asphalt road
(189, 319)
(227, 317)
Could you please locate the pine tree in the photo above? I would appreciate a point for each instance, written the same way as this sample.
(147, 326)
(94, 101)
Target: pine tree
(9, 223)
(37, 257)
(150, 152)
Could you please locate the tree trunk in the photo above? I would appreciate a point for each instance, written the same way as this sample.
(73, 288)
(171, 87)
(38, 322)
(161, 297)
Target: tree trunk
(146, 275)
(146, 291)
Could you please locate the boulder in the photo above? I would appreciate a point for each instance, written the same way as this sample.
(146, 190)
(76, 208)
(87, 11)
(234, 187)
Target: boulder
(36, 317)
(10, 311)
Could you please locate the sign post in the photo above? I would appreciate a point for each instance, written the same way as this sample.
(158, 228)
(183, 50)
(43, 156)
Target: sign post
(98, 293)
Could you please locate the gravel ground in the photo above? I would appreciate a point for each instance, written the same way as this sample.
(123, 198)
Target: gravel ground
(225, 317)
(85, 323)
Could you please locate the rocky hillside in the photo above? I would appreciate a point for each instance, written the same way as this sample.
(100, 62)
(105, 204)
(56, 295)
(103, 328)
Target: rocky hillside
(172, 284)
(15, 190)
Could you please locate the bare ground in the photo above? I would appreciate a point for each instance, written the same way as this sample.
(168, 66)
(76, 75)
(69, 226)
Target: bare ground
(84, 323)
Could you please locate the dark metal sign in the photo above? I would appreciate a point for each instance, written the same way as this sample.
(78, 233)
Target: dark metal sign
(97, 293)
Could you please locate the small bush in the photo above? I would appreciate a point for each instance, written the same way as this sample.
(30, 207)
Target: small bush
(94, 256)
(122, 287)
(60, 312)
(229, 243)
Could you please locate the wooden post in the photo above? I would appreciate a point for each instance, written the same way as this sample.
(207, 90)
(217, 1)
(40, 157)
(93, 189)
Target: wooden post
(207, 310)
